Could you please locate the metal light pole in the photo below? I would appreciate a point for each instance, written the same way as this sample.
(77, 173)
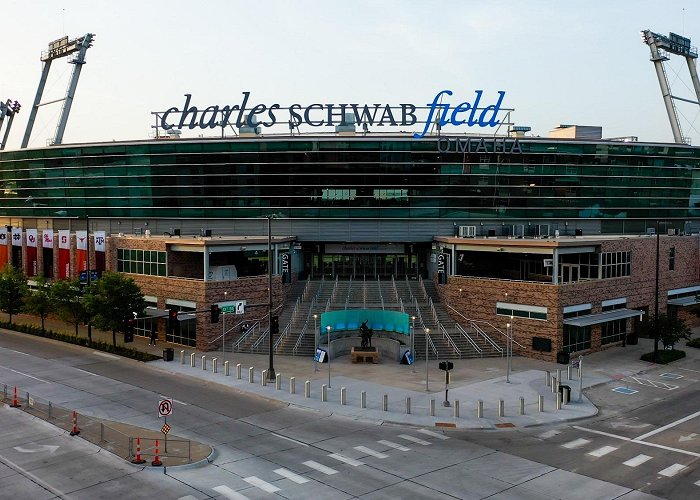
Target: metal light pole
(509, 335)
(87, 264)
(271, 376)
(427, 332)
(328, 339)
(413, 349)
(315, 341)
(656, 301)
(223, 333)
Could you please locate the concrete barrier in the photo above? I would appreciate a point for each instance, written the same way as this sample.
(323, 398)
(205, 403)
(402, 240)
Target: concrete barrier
(480, 409)
(501, 408)
(456, 409)
(226, 368)
(292, 385)
(324, 393)
(278, 381)
(215, 365)
(251, 376)
(307, 389)
(204, 363)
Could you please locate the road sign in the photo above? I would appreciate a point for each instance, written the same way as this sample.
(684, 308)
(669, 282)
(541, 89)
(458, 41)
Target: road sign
(165, 429)
(165, 407)
(232, 307)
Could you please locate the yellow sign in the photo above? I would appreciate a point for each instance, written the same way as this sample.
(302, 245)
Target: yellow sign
(165, 429)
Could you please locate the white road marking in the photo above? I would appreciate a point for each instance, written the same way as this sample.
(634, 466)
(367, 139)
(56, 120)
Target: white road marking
(602, 433)
(32, 477)
(89, 373)
(414, 439)
(689, 370)
(697, 483)
(291, 476)
(259, 483)
(672, 470)
(289, 439)
(601, 451)
(229, 493)
(433, 434)
(19, 352)
(391, 444)
(174, 400)
(346, 460)
(370, 451)
(638, 460)
(665, 427)
(651, 383)
(25, 375)
(37, 448)
(549, 434)
(576, 443)
(320, 467)
(105, 355)
(187, 497)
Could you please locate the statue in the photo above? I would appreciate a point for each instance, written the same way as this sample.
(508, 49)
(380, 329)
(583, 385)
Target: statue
(366, 334)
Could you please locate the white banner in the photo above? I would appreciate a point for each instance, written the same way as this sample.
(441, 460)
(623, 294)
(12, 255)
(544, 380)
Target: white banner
(47, 238)
(81, 240)
(64, 239)
(16, 236)
(32, 235)
(100, 241)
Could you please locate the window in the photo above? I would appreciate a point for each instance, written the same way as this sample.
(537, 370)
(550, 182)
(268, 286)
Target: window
(577, 338)
(150, 262)
(187, 333)
(672, 259)
(521, 311)
(613, 331)
(615, 264)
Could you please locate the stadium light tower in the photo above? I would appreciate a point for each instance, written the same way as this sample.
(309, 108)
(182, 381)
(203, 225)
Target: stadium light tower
(661, 47)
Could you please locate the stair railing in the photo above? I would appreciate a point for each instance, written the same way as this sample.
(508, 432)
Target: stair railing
(473, 322)
(433, 311)
(431, 345)
(422, 287)
(449, 340)
(471, 342)
(298, 342)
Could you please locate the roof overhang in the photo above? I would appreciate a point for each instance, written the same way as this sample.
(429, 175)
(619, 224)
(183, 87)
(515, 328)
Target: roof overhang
(604, 317)
(684, 301)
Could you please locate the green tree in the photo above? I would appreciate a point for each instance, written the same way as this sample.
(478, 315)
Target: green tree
(40, 302)
(13, 288)
(67, 301)
(668, 329)
(111, 299)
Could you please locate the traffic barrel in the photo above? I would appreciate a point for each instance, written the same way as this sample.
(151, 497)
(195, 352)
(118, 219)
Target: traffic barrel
(156, 461)
(75, 430)
(138, 459)
(15, 401)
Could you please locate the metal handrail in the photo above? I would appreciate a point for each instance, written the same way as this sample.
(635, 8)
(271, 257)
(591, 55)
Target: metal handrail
(249, 332)
(298, 342)
(420, 316)
(488, 339)
(260, 339)
(403, 309)
(430, 343)
(486, 323)
(474, 345)
(447, 337)
(433, 311)
(286, 331)
(422, 287)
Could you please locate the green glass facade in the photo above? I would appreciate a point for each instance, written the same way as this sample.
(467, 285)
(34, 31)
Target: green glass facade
(354, 178)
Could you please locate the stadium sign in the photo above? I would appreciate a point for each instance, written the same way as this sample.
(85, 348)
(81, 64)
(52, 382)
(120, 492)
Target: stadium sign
(467, 113)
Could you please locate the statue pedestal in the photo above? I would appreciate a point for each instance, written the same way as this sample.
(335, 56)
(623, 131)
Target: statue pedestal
(364, 355)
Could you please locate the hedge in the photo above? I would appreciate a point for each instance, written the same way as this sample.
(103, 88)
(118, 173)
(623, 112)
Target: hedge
(664, 356)
(694, 343)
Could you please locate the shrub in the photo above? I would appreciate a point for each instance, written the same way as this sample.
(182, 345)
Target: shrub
(694, 343)
(664, 356)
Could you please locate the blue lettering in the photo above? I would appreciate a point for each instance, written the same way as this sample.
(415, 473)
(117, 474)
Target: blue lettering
(432, 105)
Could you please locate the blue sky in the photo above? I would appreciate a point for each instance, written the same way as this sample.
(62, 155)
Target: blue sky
(579, 62)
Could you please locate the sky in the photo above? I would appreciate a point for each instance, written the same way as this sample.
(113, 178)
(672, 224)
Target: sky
(559, 61)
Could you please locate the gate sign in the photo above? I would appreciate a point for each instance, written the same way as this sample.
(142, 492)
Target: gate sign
(232, 307)
(165, 407)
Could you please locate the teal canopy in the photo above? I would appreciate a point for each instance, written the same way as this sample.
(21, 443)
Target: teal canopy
(377, 319)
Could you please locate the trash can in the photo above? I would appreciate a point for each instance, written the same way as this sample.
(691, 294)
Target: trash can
(168, 354)
(563, 358)
(565, 393)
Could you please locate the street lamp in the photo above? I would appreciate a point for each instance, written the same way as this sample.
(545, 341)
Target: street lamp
(271, 369)
(315, 341)
(427, 332)
(223, 334)
(87, 264)
(509, 347)
(328, 339)
(413, 347)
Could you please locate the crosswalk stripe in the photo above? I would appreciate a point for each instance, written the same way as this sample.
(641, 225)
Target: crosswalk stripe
(602, 451)
(391, 444)
(346, 460)
(187, 497)
(576, 443)
(229, 493)
(549, 434)
(370, 451)
(433, 434)
(638, 460)
(697, 483)
(291, 476)
(259, 483)
(414, 439)
(320, 467)
(672, 470)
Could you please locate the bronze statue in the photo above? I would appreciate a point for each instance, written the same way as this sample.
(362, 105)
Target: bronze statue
(366, 334)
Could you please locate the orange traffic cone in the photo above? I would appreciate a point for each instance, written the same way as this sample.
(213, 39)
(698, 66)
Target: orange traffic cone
(156, 461)
(15, 401)
(138, 459)
(75, 430)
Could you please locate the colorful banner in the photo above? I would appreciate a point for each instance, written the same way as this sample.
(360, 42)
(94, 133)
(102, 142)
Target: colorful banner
(16, 236)
(63, 254)
(3, 248)
(81, 245)
(32, 262)
(100, 251)
(47, 252)
(47, 239)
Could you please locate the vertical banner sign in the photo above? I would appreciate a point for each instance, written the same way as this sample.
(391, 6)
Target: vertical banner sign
(81, 244)
(442, 260)
(32, 261)
(63, 254)
(3, 247)
(100, 250)
(16, 250)
(286, 268)
(47, 252)
(16, 236)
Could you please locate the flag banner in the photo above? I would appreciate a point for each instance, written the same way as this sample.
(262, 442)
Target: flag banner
(3, 248)
(32, 262)
(100, 250)
(16, 236)
(47, 238)
(63, 254)
(81, 244)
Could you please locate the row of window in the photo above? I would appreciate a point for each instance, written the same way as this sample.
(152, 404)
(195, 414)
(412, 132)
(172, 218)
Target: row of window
(148, 262)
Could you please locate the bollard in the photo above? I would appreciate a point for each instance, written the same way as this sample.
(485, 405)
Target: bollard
(238, 371)
(292, 385)
(204, 362)
(192, 360)
(558, 377)
(558, 400)
(565, 397)
(307, 389)
(480, 409)
(215, 365)
(182, 356)
(522, 405)
(324, 393)
(263, 378)
(4, 392)
(342, 396)
(226, 368)
(408, 405)
(554, 384)
(432, 407)
(558, 383)
(568, 372)
(385, 402)
(547, 378)
(50, 410)
(278, 381)
(501, 408)
(251, 376)
(540, 403)
(75, 430)
(138, 459)
(156, 461)
(363, 399)
(15, 402)
(456, 408)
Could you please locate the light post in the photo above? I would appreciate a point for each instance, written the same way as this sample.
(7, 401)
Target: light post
(271, 376)
(509, 335)
(223, 333)
(315, 341)
(413, 337)
(427, 332)
(328, 339)
(87, 264)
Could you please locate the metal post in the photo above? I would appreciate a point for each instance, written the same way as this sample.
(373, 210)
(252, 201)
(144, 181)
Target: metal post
(580, 378)
(385, 402)
(656, 297)
(432, 407)
(342, 396)
(271, 369)
(363, 399)
(182, 356)
(204, 362)
(87, 262)
(215, 365)
(192, 363)
(568, 372)
(263, 378)
(547, 378)
(522, 405)
(251, 376)
(540, 403)
(501, 408)
(456, 408)
(238, 371)
(223, 334)
(408, 405)
(328, 339)
(292, 385)
(278, 382)
(413, 343)
(427, 332)
(558, 400)
(324, 392)
(307, 389)
(480, 409)
(315, 341)
(226, 368)
(509, 336)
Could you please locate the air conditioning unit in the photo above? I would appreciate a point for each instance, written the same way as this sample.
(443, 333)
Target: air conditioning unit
(674, 232)
(467, 231)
